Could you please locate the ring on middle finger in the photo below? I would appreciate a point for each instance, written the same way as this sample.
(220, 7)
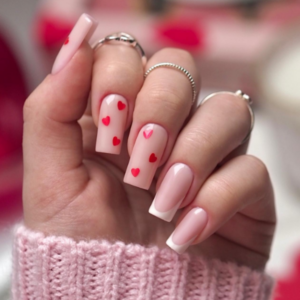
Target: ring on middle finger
(181, 69)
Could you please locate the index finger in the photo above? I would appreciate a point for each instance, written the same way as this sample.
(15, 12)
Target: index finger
(117, 79)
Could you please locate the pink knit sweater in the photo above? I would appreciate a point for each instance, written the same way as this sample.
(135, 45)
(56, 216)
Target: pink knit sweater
(59, 268)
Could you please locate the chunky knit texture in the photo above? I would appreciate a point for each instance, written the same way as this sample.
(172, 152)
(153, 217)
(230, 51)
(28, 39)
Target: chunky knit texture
(59, 268)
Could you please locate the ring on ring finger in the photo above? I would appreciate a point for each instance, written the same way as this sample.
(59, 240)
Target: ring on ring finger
(248, 101)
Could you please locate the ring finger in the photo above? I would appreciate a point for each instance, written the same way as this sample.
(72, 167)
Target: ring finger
(215, 130)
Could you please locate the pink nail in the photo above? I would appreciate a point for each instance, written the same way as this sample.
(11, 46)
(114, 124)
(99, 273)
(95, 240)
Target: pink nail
(172, 192)
(187, 230)
(146, 155)
(83, 30)
(111, 125)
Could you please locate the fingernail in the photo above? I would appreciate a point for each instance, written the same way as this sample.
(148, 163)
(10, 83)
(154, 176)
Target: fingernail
(83, 30)
(111, 125)
(146, 155)
(172, 191)
(187, 230)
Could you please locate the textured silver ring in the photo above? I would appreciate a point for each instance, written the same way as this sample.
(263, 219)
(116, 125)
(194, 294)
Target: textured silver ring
(183, 70)
(248, 101)
(123, 37)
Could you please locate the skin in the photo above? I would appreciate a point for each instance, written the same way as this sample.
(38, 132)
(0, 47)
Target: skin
(71, 190)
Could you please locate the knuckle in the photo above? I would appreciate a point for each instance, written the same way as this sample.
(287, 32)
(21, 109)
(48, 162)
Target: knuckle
(176, 53)
(261, 171)
(198, 138)
(180, 57)
(224, 188)
(165, 99)
(121, 71)
(236, 105)
(231, 104)
(220, 188)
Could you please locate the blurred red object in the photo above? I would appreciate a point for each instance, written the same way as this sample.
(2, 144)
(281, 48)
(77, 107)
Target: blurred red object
(183, 33)
(12, 95)
(50, 31)
(289, 288)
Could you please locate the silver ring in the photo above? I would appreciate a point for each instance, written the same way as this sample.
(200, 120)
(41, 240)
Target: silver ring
(183, 70)
(248, 101)
(123, 37)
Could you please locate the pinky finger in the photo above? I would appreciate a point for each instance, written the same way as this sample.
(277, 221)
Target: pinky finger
(241, 185)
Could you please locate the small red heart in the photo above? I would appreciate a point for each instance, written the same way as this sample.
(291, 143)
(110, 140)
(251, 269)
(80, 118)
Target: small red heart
(152, 158)
(116, 141)
(121, 105)
(135, 172)
(147, 133)
(106, 121)
(67, 41)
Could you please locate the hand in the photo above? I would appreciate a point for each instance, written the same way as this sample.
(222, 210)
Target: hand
(71, 190)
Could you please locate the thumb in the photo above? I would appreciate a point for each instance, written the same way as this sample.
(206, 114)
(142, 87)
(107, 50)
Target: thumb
(52, 140)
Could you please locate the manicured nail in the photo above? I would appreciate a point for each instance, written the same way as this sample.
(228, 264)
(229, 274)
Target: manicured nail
(146, 155)
(83, 30)
(111, 125)
(187, 230)
(172, 191)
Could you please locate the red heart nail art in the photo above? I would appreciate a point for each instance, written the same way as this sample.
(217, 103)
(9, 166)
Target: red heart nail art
(67, 41)
(121, 105)
(147, 133)
(106, 121)
(116, 141)
(135, 172)
(152, 158)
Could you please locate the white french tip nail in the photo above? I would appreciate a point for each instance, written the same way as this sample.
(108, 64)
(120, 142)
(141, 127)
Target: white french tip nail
(167, 215)
(188, 229)
(178, 248)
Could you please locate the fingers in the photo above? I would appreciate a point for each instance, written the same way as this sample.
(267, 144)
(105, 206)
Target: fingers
(157, 108)
(242, 185)
(118, 75)
(162, 106)
(51, 132)
(215, 130)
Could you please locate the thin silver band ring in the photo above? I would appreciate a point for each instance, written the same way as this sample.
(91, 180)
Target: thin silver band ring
(123, 37)
(248, 101)
(183, 70)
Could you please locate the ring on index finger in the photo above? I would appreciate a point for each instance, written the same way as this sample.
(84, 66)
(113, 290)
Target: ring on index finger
(123, 37)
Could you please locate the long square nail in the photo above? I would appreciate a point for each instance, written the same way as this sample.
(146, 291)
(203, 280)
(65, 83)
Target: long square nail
(146, 155)
(172, 192)
(111, 125)
(82, 30)
(187, 230)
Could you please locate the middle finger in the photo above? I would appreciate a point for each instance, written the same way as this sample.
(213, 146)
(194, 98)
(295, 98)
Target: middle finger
(162, 106)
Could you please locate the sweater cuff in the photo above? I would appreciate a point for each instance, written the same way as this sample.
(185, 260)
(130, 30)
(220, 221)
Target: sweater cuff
(52, 267)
